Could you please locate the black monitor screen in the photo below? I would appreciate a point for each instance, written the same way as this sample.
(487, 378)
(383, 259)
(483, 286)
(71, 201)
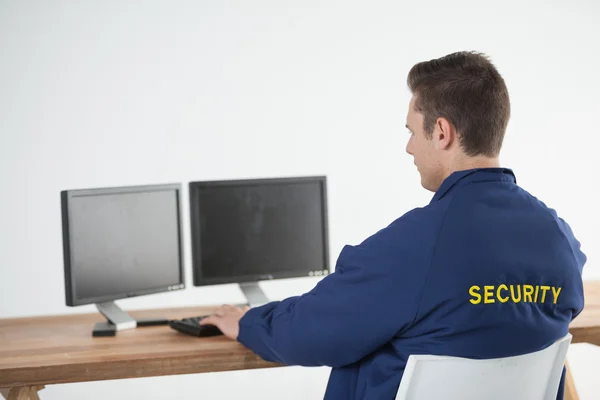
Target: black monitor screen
(260, 229)
(121, 243)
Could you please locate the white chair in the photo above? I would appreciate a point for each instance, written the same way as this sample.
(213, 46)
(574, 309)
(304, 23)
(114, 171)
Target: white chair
(533, 376)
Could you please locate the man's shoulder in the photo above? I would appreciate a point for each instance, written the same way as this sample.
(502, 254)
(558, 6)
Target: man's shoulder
(409, 240)
(497, 196)
(417, 226)
(426, 217)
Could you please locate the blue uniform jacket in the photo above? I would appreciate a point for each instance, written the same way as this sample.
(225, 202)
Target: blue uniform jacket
(485, 270)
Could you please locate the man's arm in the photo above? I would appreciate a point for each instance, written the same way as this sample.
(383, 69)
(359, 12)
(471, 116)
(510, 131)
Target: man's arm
(372, 297)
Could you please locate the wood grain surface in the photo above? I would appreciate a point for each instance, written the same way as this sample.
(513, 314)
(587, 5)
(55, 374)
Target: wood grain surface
(586, 327)
(61, 349)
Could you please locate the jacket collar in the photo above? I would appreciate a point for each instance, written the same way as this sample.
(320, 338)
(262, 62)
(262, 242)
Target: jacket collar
(473, 175)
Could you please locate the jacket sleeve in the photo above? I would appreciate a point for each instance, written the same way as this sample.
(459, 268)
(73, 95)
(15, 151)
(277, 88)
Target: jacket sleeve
(370, 298)
(578, 254)
(580, 260)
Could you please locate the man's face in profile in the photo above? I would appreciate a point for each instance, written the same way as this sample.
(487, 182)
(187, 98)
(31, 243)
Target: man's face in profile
(422, 148)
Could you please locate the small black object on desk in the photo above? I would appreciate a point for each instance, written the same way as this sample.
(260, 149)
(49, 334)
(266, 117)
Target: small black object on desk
(106, 328)
(152, 321)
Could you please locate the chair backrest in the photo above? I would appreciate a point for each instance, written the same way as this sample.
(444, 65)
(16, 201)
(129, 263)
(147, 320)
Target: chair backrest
(533, 376)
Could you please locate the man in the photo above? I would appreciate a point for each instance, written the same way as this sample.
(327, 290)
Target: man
(485, 270)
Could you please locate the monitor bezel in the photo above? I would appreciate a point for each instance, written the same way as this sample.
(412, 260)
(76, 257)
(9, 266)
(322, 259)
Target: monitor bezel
(70, 289)
(196, 248)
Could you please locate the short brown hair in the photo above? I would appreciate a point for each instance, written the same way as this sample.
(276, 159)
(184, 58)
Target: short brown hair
(467, 90)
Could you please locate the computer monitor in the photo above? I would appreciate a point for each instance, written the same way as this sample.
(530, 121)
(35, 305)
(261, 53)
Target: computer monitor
(121, 242)
(245, 231)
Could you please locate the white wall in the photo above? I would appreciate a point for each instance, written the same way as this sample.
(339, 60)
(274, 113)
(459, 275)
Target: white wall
(113, 93)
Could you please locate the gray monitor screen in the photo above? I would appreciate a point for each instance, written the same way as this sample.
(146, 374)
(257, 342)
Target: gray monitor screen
(123, 244)
(259, 230)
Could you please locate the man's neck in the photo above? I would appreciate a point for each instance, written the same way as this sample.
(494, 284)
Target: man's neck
(463, 163)
(476, 162)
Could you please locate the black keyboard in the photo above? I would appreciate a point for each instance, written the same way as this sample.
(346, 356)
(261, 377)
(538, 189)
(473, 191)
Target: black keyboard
(191, 326)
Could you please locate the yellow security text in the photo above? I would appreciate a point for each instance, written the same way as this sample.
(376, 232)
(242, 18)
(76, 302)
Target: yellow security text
(489, 294)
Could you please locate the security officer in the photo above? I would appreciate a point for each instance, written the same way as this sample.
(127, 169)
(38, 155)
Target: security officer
(485, 270)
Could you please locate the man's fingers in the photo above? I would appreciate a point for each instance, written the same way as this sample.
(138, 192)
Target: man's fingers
(211, 320)
(221, 312)
(224, 309)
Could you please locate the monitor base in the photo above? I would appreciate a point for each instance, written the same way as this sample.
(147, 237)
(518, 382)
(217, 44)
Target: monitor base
(119, 318)
(104, 329)
(254, 294)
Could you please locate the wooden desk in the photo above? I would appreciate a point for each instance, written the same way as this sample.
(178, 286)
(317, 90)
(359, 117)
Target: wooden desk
(585, 329)
(60, 349)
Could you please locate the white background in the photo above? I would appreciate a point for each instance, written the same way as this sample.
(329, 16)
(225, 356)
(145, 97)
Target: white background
(113, 93)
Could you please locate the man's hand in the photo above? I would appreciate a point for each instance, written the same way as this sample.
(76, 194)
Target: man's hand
(227, 319)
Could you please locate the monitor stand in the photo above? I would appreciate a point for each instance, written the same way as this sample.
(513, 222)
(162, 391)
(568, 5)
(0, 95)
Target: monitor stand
(254, 294)
(119, 318)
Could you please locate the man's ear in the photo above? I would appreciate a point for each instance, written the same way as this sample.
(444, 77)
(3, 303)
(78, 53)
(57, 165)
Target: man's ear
(445, 133)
